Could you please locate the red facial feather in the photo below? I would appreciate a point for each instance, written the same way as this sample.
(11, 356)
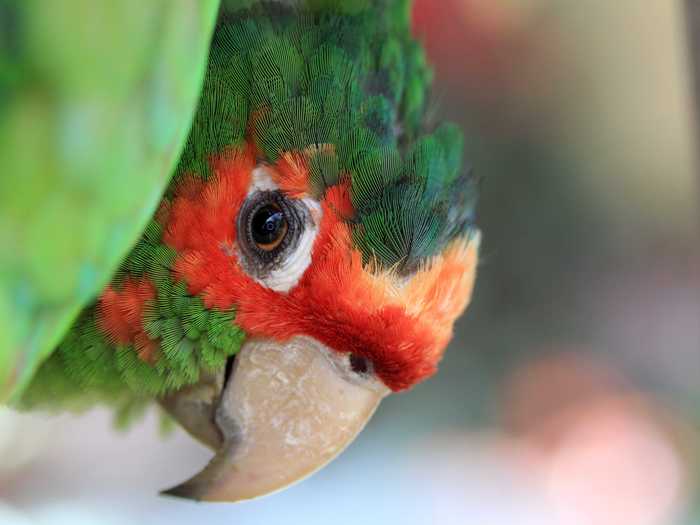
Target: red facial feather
(120, 314)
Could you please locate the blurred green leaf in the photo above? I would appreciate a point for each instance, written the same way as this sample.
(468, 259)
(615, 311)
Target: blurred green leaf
(96, 99)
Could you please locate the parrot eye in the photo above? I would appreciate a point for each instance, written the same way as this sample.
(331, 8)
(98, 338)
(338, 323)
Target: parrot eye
(275, 236)
(268, 227)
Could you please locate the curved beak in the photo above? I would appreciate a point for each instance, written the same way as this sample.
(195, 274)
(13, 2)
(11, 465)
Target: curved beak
(284, 411)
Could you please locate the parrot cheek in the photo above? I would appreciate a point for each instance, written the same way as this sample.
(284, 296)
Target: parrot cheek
(286, 411)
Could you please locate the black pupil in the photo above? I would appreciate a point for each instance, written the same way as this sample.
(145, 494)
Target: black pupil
(268, 224)
(359, 364)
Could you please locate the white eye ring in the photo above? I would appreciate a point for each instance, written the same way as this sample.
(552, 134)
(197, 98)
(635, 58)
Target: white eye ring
(283, 272)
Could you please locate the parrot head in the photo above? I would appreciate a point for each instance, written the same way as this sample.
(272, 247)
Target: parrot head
(329, 333)
(310, 256)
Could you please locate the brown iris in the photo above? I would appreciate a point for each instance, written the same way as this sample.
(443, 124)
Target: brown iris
(269, 227)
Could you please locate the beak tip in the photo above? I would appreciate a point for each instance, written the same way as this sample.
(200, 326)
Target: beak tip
(182, 491)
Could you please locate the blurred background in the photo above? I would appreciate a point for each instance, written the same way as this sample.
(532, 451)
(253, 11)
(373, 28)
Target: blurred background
(571, 392)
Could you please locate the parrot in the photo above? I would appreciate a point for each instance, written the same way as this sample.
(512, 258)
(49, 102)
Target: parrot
(309, 256)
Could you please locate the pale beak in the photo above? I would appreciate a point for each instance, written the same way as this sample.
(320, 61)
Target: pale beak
(286, 410)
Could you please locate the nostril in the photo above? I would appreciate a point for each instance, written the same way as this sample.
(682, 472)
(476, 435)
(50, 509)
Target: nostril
(360, 365)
